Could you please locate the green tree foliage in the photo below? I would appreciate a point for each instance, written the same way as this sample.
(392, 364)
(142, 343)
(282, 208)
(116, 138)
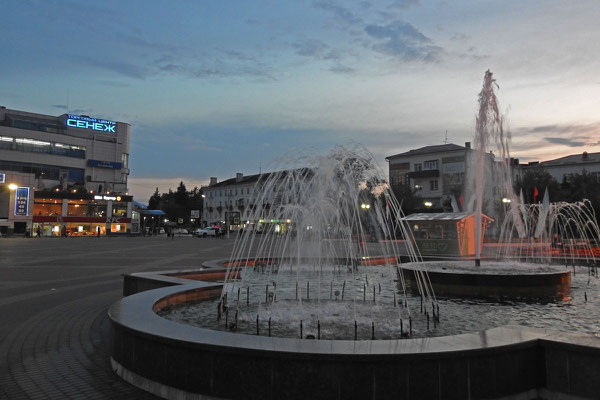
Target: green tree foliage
(154, 201)
(576, 188)
(540, 179)
(178, 204)
(408, 199)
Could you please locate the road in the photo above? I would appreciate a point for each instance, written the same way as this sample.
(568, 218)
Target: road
(54, 294)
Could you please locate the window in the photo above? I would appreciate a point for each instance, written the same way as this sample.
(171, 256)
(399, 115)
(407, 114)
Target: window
(40, 146)
(125, 160)
(119, 209)
(47, 207)
(418, 167)
(431, 164)
(433, 185)
(86, 208)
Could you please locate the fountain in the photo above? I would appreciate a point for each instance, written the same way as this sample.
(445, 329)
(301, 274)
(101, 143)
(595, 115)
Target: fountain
(500, 276)
(319, 255)
(324, 296)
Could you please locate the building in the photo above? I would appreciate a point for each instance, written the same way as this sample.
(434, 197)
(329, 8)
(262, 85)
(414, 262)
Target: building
(231, 203)
(227, 203)
(64, 173)
(434, 172)
(564, 167)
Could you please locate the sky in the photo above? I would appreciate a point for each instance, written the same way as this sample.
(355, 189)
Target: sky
(212, 88)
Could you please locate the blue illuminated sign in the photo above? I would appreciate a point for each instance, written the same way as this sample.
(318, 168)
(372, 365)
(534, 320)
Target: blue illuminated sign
(104, 164)
(2, 177)
(100, 125)
(22, 201)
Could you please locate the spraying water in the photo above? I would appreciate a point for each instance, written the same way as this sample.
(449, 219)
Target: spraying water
(315, 230)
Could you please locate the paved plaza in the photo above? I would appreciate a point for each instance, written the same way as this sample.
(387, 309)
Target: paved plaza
(54, 294)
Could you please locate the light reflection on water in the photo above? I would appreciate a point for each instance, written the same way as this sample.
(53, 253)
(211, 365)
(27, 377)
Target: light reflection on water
(575, 315)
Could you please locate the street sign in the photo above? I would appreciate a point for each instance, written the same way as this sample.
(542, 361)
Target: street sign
(195, 214)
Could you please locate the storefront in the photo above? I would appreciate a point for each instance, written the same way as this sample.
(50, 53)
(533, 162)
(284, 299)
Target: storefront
(80, 214)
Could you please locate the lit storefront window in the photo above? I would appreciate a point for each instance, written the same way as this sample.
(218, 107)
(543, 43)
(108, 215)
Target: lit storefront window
(86, 208)
(119, 209)
(47, 207)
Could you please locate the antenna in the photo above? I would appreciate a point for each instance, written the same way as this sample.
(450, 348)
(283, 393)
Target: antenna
(446, 138)
(67, 100)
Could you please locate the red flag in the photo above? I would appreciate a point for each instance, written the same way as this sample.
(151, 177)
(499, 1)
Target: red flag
(535, 193)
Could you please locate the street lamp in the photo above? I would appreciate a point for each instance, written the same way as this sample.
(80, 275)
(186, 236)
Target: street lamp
(365, 206)
(428, 204)
(506, 200)
(12, 186)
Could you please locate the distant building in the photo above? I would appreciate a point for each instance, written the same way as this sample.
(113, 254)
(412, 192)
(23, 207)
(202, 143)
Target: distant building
(227, 202)
(564, 167)
(435, 173)
(63, 174)
(231, 202)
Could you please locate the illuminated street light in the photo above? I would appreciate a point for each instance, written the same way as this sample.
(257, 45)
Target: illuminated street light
(428, 204)
(12, 186)
(506, 201)
(365, 206)
(203, 196)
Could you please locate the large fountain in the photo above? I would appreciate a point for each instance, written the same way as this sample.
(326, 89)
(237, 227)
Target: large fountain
(325, 296)
(319, 256)
(513, 266)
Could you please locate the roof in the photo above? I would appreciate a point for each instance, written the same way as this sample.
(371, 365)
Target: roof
(446, 216)
(431, 149)
(251, 178)
(139, 205)
(151, 212)
(573, 159)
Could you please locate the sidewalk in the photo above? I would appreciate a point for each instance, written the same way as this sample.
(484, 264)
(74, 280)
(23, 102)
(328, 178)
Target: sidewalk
(54, 294)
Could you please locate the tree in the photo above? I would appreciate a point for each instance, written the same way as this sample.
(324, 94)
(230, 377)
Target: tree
(408, 199)
(154, 201)
(538, 178)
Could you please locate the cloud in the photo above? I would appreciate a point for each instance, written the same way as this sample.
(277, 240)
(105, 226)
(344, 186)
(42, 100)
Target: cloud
(402, 40)
(309, 48)
(402, 4)
(341, 69)
(59, 106)
(565, 141)
(340, 13)
(122, 68)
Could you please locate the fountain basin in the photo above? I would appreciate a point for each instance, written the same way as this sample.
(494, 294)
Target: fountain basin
(495, 280)
(174, 360)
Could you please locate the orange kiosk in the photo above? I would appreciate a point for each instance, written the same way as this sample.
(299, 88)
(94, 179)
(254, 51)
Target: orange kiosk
(446, 234)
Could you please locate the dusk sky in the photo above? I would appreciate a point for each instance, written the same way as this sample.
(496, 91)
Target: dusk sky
(212, 88)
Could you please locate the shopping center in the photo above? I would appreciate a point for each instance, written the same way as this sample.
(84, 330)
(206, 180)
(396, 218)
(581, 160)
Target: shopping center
(64, 175)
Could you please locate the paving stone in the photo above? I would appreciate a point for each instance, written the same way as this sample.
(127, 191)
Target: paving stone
(54, 343)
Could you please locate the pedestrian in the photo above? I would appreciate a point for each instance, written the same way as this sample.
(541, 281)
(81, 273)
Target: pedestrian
(39, 231)
(98, 231)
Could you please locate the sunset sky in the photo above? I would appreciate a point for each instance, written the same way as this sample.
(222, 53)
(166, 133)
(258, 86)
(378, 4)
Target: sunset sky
(212, 88)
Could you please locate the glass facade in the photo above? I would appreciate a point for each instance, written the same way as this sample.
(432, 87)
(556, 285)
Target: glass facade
(47, 207)
(51, 172)
(86, 208)
(40, 146)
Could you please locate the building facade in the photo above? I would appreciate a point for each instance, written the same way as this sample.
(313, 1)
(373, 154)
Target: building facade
(227, 203)
(435, 173)
(66, 173)
(564, 168)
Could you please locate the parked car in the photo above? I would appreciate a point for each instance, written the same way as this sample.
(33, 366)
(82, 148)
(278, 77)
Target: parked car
(180, 231)
(209, 231)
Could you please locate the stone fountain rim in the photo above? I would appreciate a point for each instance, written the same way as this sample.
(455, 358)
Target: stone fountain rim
(136, 313)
